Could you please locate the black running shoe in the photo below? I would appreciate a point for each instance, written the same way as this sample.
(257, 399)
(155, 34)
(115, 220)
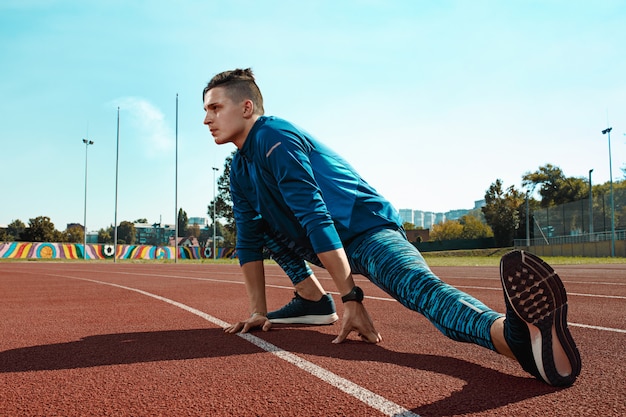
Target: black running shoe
(302, 311)
(535, 327)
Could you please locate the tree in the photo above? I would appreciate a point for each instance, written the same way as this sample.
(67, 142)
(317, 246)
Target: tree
(502, 213)
(408, 226)
(223, 202)
(193, 231)
(555, 188)
(41, 229)
(467, 227)
(183, 220)
(126, 233)
(74, 234)
(16, 229)
(105, 236)
(474, 228)
(448, 230)
(229, 235)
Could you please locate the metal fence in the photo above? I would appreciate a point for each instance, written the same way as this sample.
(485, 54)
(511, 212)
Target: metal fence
(561, 240)
(576, 222)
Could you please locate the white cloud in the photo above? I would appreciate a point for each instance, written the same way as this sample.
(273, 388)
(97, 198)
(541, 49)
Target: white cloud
(149, 126)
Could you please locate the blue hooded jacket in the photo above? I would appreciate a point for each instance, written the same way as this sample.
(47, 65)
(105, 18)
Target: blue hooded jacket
(285, 180)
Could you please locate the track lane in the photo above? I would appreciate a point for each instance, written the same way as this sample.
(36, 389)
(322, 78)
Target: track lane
(415, 367)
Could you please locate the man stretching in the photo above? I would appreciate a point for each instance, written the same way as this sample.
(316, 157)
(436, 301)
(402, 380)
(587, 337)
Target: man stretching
(298, 199)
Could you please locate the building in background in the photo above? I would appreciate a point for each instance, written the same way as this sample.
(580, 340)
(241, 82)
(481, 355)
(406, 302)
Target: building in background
(406, 215)
(427, 219)
(198, 221)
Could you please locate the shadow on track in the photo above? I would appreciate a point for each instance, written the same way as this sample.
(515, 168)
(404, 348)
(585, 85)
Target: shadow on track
(484, 388)
(125, 348)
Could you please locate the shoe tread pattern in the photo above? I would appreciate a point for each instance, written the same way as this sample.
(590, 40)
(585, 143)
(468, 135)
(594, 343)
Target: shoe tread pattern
(538, 297)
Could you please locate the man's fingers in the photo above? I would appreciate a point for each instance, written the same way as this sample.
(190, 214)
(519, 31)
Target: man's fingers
(371, 338)
(234, 328)
(246, 326)
(267, 325)
(342, 335)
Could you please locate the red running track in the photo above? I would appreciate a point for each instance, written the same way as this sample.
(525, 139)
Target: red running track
(104, 339)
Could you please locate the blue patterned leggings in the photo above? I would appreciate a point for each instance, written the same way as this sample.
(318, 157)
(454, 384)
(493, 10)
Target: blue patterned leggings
(387, 259)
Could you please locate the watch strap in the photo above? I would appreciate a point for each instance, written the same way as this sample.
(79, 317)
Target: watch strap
(356, 294)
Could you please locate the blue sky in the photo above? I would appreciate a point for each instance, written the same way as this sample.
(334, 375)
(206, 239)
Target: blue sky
(431, 101)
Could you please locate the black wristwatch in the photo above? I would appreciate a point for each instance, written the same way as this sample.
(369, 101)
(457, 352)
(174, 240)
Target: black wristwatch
(355, 295)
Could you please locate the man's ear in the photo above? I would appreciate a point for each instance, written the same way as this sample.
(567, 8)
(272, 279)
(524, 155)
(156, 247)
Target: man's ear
(248, 108)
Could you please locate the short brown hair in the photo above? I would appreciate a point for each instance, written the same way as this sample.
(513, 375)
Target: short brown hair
(240, 85)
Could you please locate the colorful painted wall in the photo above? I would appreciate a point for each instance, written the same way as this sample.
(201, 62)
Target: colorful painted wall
(45, 250)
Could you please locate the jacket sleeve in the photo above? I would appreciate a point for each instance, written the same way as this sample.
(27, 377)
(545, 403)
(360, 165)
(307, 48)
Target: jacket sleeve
(249, 223)
(287, 163)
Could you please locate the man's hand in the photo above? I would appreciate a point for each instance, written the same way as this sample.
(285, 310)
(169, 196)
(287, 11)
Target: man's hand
(356, 318)
(257, 320)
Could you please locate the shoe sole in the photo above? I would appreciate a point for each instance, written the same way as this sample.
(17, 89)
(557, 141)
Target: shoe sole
(311, 319)
(537, 296)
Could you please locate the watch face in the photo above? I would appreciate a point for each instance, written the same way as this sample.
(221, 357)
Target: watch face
(358, 292)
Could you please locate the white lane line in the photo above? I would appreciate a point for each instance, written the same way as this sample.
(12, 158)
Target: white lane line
(362, 394)
(586, 326)
(578, 294)
(475, 287)
(619, 297)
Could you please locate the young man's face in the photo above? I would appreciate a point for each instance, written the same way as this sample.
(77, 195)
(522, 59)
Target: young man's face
(224, 117)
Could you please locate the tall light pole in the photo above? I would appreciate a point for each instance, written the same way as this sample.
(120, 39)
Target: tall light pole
(87, 142)
(607, 132)
(214, 246)
(590, 205)
(528, 194)
(176, 190)
(117, 159)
